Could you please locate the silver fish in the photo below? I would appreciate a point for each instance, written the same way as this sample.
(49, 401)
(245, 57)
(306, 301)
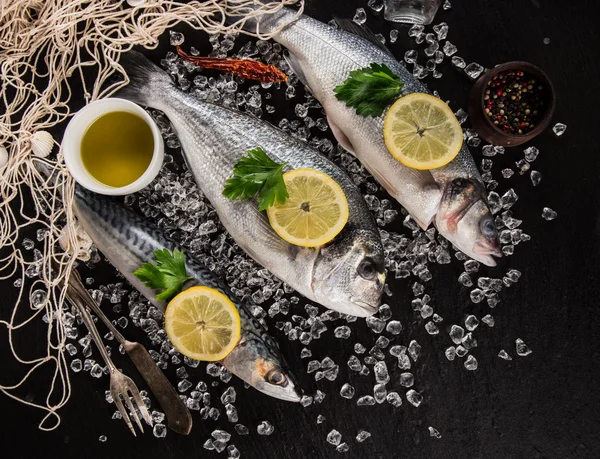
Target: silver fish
(347, 274)
(128, 241)
(323, 57)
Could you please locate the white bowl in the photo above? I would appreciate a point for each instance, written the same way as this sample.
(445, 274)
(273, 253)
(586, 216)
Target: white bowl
(71, 146)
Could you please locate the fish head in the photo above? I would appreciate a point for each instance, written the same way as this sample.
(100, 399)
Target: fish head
(261, 365)
(349, 274)
(465, 219)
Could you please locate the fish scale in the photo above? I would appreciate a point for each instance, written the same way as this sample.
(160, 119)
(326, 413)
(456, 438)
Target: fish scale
(128, 241)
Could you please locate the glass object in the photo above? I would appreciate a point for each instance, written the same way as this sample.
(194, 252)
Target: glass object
(411, 11)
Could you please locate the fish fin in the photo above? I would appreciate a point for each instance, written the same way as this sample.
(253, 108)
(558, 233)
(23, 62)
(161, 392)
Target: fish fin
(294, 64)
(146, 80)
(340, 136)
(361, 31)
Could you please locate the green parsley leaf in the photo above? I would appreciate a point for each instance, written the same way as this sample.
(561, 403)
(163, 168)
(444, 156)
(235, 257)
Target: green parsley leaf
(370, 90)
(257, 175)
(169, 273)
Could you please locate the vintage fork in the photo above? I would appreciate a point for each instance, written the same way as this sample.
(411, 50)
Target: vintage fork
(121, 386)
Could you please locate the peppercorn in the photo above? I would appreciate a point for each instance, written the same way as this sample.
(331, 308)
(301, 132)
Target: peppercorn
(515, 102)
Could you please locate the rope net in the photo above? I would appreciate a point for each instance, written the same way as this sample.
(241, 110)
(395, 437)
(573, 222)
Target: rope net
(45, 48)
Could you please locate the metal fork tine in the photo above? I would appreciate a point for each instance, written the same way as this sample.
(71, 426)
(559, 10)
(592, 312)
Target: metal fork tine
(133, 410)
(142, 406)
(123, 411)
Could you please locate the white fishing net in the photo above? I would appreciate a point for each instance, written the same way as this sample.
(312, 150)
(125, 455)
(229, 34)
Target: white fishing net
(45, 48)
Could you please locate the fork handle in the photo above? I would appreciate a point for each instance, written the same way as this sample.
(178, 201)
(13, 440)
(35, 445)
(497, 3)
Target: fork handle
(75, 299)
(77, 286)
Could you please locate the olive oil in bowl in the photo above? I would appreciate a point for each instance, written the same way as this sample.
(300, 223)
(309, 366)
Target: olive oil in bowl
(116, 149)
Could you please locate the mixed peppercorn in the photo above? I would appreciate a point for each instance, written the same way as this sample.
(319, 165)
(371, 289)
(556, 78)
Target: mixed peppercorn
(514, 102)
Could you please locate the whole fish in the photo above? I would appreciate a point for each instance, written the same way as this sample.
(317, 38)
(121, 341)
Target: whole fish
(346, 274)
(452, 196)
(128, 241)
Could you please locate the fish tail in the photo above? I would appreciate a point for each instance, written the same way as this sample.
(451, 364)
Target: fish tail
(146, 80)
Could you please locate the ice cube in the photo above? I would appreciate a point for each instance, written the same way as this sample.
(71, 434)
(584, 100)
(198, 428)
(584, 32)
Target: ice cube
(548, 214)
(449, 48)
(362, 436)
(233, 452)
(559, 129)
(365, 400)
(416, 30)
(531, 153)
(184, 385)
(381, 372)
(306, 400)
(434, 433)
(394, 327)
(228, 396)
(410, 56)
(360, 17)
(407, 379)
(359, 348)
(473, 70)
(347, 391)
(241, 429)
(432, 328)
(334, 437)
(414, 350)
(471, 322)
(468, 341)
(523, 166)
(342, 448)
(522, 349)
(465, 280)
(354, 364)
(414, 397)
(394, 399)
(450, 353)
(305, 353)
(432, 49)
(159, 430)
(504, 355)
(96, 371)
(342, 332)
(477, 295)
(379, 393)
(461, 351)
(457, 333)
(375, 323)
(536, 177)
(265, 428)
(176, 38)
(471, 266)
(507, 173)
(441, 30)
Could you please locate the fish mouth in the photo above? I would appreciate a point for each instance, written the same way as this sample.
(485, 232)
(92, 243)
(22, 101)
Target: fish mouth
(367, 308)
(484, 253)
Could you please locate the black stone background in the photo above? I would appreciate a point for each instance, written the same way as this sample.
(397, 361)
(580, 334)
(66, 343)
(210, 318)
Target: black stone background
(545, 405)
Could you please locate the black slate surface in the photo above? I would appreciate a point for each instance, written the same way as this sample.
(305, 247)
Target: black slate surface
(544, 405)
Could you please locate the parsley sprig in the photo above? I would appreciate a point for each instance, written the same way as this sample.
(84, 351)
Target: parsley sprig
(369, 90)
(169, 273)
(257, 175)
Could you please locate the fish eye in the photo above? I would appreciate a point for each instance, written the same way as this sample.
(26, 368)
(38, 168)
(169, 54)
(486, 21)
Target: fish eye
(367, 270)
(276, 377)
(488, 229)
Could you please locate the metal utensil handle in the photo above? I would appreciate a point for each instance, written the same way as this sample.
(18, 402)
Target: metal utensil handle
(75, 282)
(75, 299)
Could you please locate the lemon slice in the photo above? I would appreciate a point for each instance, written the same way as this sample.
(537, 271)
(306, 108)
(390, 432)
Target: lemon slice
(315, 211)
(421, 132)
(202, 324)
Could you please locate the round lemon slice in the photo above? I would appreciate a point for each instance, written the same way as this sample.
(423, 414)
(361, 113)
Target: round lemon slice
(202, 324)
(421, 131)
(315, 211)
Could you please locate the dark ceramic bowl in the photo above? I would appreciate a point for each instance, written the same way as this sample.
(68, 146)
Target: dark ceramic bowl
(482, 123)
